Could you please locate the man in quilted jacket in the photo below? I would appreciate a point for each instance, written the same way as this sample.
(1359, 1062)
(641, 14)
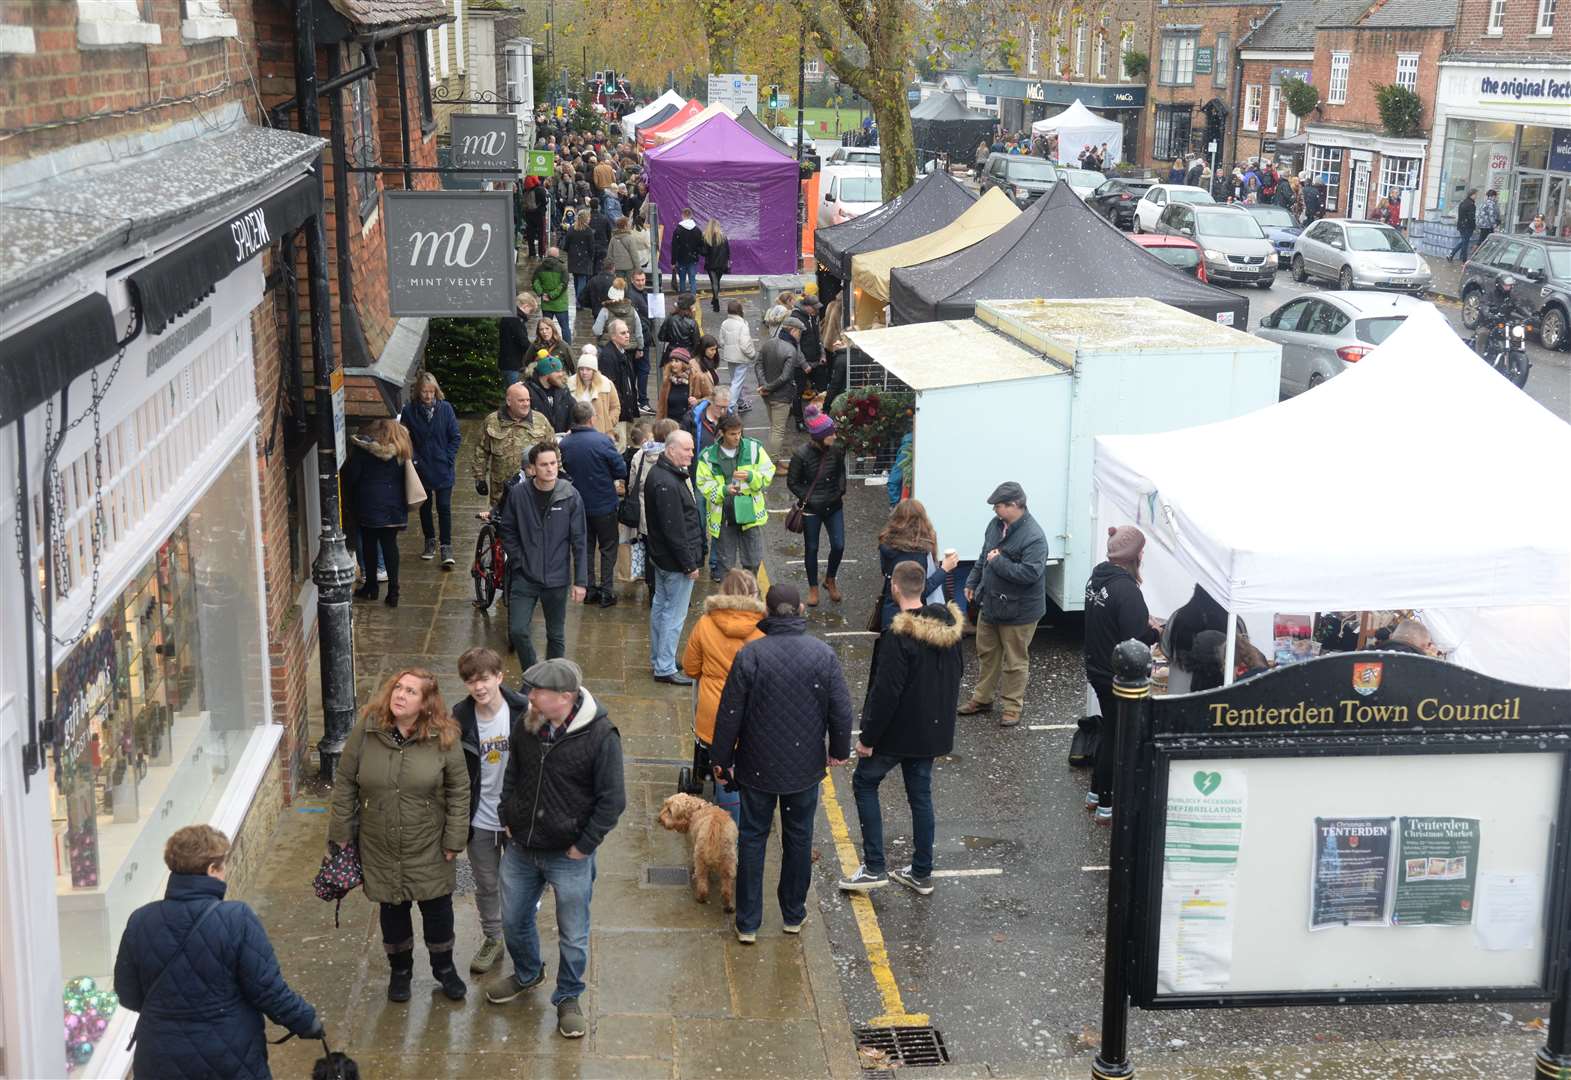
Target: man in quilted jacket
(784, 715)
(202, 973)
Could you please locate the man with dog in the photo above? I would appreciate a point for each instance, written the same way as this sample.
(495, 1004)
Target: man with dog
(562, 794)
(908, 719)
(785, 696)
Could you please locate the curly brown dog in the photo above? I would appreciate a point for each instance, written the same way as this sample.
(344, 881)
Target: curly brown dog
(713, 836)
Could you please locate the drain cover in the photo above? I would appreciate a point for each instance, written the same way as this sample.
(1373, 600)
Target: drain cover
(905, 1047)
(665, 875)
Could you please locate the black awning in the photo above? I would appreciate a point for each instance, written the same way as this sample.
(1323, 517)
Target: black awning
(36, 362)
(173, 284)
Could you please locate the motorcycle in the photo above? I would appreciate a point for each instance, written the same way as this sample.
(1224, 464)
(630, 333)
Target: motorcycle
(1502, 339)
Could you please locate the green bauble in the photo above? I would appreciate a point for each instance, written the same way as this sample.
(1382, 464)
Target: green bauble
(74, 1003)
(83, 984)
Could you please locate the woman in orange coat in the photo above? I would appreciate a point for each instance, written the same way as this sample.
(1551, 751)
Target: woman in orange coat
(730, 620)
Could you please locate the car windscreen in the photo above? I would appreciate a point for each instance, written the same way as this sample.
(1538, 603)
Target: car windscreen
(861, 189)
(1274, 216)
(1083, 177)
(1184, 258)
(1559, 262)
(1375, 331)
(1031, 170)
(1227, 223)
(1189, 195)
(1367, 238)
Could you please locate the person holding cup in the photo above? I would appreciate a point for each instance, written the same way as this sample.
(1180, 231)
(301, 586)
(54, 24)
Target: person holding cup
(732, 474)
(909, 536)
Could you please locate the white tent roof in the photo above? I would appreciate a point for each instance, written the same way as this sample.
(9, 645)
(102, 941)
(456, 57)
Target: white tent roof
(1078, 126)
(1417, 479)
(1077, 117)
(692, 123)
(633, 119)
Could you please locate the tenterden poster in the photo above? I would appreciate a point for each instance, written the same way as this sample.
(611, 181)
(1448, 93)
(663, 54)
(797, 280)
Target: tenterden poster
(1436, 871)
(1352, 872)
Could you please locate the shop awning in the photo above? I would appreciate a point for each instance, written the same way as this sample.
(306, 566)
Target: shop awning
(169, 286)
(38, 361)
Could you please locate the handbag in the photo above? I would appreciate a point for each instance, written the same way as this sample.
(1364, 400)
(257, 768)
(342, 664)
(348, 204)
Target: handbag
(796, 518)
(339, 875)
(627, 511)
(414, 490)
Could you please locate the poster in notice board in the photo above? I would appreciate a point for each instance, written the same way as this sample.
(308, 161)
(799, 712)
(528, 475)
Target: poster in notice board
(1352, 872)
(1437, 870)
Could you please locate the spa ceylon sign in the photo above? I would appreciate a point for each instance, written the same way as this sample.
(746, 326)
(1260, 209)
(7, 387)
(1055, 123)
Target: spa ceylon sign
(450, 253)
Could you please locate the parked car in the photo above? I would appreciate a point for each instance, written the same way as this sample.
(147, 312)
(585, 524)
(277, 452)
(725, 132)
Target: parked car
(1023, 178)
(1084, 182)
(1323, 333)
(1179, 252)
(1359, 254)
(1157, 197)
(1236, 250)
(1280, 227)
(854, 155)
(1116, 199)
(1542, 268)
(847, 192)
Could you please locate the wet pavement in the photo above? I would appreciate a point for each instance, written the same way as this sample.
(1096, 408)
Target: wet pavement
(1004, 959)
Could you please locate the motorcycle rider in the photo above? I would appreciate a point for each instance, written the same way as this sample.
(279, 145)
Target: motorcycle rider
(1498, 306)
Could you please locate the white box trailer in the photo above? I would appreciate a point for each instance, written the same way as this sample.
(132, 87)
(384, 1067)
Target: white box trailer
(1021, 391)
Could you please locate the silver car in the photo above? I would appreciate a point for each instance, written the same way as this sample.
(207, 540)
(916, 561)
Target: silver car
(1359, 254)
(1236, 250)
(1322, 334)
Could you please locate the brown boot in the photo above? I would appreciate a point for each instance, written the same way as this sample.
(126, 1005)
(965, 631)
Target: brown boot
(974, 707)
(812, 596)
(1009, 719)
(832, 589)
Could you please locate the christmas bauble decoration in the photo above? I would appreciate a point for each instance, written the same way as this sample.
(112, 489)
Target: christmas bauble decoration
(72, 1022)
(81, 1052)
(83, 984)
(74, 1003)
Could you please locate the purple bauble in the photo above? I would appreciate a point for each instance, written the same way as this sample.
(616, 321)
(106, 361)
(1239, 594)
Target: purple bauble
(72, 1022)
(96, 1025)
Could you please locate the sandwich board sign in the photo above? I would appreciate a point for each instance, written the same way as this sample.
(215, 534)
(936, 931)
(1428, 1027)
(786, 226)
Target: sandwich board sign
(486, 141)
(450, 253)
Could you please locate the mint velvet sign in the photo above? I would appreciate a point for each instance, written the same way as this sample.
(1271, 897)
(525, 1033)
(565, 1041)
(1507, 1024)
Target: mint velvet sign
(450, 252)
(486, 141)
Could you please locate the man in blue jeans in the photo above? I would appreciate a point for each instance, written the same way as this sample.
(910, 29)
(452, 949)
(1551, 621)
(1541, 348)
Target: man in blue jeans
(541, 524)
(908, 720)
(562, 794)
(674, 545)
(785, 714)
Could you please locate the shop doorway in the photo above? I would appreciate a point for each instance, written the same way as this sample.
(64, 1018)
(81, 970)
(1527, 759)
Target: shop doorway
(1542, 193)
(1358, 197)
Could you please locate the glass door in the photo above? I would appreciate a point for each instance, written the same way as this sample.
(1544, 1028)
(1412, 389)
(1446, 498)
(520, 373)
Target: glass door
(1358, 200)
(1557, 205)
(1528, 201)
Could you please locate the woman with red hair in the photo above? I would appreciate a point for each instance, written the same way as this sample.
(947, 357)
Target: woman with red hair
(401, 794)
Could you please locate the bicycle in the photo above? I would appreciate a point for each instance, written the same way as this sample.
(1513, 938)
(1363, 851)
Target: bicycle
(489, 570)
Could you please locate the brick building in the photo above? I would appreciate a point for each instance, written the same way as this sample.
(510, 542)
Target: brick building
(1195, 71)
(1358, 49)
(1282, 47)
(156, 365)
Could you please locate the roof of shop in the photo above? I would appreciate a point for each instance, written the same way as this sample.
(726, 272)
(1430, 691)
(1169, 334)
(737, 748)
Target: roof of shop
(1410, 14)
(389, 12)
(1292, 24)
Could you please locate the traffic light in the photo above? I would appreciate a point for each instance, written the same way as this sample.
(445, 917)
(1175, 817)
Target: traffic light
(774, 97)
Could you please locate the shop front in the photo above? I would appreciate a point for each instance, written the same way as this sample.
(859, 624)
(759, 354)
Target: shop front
(1024, 101)
(1505, 126)
(1360, 168)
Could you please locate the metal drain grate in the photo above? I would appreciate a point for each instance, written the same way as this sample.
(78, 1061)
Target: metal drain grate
(665, 875)
(900, 1047)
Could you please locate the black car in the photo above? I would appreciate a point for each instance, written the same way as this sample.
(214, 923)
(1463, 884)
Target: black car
(1541, 266)
(1023, 178)
(1115, 199)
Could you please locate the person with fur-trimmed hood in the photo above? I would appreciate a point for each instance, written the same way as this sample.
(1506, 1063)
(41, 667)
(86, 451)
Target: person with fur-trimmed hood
(908, 719)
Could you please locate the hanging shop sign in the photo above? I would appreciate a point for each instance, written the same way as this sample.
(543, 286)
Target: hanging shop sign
(486, 141)
(541, 163)
(450, 253)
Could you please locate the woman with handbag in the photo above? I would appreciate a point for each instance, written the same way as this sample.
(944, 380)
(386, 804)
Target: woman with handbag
(433, 435)
(380, 492)
(817, 477)
(201, 1001)
(401, 795)
(908, 536)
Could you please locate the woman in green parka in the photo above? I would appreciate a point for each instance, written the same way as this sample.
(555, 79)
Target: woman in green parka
(401, 795)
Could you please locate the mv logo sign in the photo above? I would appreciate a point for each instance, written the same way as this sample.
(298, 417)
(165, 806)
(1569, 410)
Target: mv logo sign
(486, 141)
(450, 252)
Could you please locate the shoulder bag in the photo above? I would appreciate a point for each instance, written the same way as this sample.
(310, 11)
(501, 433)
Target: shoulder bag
(627, 511)
(414, 490)
(796, 518)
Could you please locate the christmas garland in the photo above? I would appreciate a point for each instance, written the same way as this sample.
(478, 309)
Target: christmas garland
(868, 419)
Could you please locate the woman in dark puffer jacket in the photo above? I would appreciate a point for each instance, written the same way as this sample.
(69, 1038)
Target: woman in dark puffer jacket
(202, 974)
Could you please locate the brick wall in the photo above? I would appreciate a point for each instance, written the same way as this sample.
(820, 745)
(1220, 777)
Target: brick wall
(1517, 37)
(1232, 19)
(1373, 64)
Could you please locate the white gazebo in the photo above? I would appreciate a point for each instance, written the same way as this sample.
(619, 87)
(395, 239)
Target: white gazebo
(1078, 126)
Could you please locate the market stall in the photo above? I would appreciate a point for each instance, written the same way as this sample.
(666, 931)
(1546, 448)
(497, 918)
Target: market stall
(1077, 128)
(1441, 507)
(931, 203)
(941, 124)
(870, 269)
(670, 100)
(755, 127)
(1059, 247)
(668, 133)
(647, 132)
(722, 172)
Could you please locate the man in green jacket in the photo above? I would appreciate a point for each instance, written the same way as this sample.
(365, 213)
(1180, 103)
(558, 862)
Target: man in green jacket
(732, 474)
(551, 283)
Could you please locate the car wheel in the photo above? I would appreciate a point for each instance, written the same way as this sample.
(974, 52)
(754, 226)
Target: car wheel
(1344, 280)
(1472, 305)
(1315, 379)
(1300, 275)
(1552, 330)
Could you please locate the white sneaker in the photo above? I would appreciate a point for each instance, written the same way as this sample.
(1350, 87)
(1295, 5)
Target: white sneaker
(381, 575)
(747, 937)
(863, 881)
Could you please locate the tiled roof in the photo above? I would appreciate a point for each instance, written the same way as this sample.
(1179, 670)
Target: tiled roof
(1292, 24)
(1410, 14)
(371, 13)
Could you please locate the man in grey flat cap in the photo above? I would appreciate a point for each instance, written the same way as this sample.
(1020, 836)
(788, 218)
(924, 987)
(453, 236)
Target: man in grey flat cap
(561, 795)
(1007, 582)
(779, 363)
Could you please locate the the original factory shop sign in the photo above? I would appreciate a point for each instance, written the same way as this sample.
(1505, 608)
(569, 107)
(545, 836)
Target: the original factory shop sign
(450, 253)
(486, 141)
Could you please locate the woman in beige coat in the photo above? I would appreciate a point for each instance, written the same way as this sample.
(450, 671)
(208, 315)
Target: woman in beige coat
(401, 795)
(591, 386)
(629, 248)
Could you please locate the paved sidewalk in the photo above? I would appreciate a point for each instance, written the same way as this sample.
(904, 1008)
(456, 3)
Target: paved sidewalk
(671, 993)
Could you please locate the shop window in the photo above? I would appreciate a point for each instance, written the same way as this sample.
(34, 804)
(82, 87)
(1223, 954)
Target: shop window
(1341, 63)
(1252, 107)
(1532, 151)
(362, 135)
(1177, 66)
(1172, 132)
(1407, 70)
(1126, 45)
(1477, 155)
(1497, 16)
(1546, 17)
(1221, 64)
(1273, 106)
(157, 704)
(1325, 162)
(1397, 176)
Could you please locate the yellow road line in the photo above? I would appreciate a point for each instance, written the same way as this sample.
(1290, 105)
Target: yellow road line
(895, 1014)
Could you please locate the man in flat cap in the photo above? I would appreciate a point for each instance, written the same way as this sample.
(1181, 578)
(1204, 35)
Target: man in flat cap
(1007, 582)
(562, 794)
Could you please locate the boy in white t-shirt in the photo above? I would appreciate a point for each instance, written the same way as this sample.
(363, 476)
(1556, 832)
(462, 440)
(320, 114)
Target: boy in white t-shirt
(485, 720)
